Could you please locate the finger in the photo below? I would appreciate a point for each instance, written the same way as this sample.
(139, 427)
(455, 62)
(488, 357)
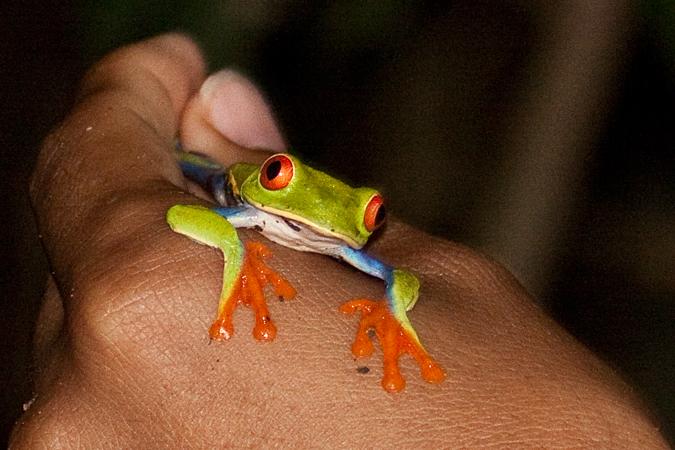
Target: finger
(168, 66)
(230, 120)
(115, 140)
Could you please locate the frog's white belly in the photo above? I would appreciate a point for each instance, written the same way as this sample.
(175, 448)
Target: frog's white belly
(294, 234)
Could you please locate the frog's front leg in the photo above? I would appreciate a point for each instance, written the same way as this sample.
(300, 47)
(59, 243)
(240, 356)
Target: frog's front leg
(389, 320)
(245, 274)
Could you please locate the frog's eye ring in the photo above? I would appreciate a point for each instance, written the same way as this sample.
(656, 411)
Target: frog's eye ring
(375, 213)
(276, 172)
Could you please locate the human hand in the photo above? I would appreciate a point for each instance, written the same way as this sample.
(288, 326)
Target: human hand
(123, 355)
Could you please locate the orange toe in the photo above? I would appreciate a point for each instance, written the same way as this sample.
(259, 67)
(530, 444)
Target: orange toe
(394, 339)
(253, 276)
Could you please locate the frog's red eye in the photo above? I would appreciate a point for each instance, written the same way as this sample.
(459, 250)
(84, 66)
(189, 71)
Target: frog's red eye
(375, 213)
(276, 172)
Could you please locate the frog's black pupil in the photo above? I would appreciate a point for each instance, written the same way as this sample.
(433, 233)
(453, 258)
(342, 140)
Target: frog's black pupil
(273, 170)
(381, 213)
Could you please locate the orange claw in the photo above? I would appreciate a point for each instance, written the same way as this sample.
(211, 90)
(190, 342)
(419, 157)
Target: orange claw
(253, 276)
(394, 339)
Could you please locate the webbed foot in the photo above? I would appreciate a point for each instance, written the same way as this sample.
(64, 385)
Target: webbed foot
(248, 290)
(394, 339)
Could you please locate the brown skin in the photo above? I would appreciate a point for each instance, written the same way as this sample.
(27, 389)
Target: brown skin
(123, 355)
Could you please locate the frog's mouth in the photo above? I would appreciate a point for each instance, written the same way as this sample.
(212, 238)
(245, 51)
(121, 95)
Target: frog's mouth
(297, 233)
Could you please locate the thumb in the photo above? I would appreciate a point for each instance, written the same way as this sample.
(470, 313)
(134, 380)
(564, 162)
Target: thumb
(229, 109)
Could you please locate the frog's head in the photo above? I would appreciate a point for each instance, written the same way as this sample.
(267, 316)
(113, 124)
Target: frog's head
(285, 187)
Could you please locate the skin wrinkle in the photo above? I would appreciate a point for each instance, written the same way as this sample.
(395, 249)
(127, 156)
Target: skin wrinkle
(52, 173)
(80, 251)
(103, 265)
(106, 334)
(134, 311)
(141, 289)
(66, 424)
(118, 424)
(189, 286)
(128, 381)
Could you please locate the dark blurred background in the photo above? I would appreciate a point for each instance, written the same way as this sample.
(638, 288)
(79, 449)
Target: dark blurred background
(539, 132)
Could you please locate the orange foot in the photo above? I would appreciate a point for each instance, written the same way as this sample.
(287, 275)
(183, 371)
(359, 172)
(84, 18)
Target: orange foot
(395, 341)
(253, 276)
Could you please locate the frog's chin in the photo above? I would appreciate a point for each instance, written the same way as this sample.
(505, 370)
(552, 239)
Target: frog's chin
(296, 235)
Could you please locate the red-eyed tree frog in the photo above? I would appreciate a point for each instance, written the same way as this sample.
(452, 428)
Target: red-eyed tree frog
(307, 210)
